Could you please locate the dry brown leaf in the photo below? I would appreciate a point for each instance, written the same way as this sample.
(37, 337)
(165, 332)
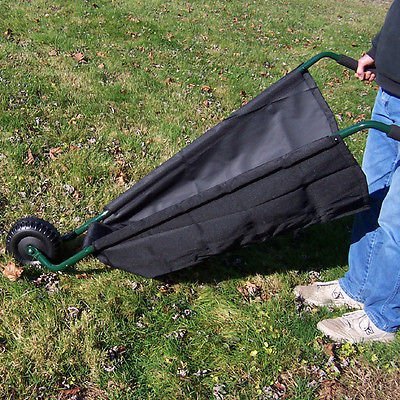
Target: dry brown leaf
(121, 178)
(8, 33)
(359, 118)
(84, 275)
(79, 57)
(251, 292)
(328, 390)
(329, 349)
(12, 272)
(53, 53)
(29, 159)
(55, 152)
(67, 393)
(77, 195)
(206, 89)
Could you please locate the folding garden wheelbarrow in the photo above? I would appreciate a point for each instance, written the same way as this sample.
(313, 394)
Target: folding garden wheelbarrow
(276, 164)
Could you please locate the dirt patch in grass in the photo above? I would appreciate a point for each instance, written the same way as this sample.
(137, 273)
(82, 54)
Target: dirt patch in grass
(368, 383)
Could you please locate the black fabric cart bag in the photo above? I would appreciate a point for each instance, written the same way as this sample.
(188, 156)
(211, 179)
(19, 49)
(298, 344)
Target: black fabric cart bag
(270, 167)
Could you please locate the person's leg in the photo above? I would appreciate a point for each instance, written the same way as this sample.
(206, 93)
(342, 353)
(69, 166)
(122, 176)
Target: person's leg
(374, 274)
(382, 290)
(374, 258)
(379, 163)
(379, 159)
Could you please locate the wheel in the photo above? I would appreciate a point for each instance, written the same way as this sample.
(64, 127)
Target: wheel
(35, 232)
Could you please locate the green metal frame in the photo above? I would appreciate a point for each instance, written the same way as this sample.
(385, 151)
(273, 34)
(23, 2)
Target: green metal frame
(83, 228)
(86, 251)
(363, 125)
(325, 54)
(38, 256)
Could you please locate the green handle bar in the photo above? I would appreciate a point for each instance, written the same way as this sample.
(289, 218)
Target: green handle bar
(393, 131)
(341, 59)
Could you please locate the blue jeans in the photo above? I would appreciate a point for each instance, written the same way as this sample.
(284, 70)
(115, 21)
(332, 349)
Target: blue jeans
(374, 258)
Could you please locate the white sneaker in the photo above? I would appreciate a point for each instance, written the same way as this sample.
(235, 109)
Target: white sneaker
(354, 327)
(326, 294)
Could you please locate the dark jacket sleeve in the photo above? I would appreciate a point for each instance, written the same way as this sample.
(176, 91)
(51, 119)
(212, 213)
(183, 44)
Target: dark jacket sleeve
(372, 51)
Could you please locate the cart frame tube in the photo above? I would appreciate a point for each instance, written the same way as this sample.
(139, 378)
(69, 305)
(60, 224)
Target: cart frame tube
(326, 54)
(43, 260)
(367, 124)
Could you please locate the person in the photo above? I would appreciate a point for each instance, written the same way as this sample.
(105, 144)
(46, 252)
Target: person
(372, 284)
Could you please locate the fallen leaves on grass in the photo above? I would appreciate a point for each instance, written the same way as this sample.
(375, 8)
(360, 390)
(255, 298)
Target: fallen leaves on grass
(50, 281)
(314, 276)
(83, 275)
(259, 289)
(366, 382)
(30, 159)
(251, 292)
(206, 88)
(88, 392)
(276, 391)
(202, 372)
(114, 357)
(72, 191)
(219, 392)
(73, 312)
(329, 390)
(179, 334)
(184, 314)
(80, 58)
(8, 34)
(136, 286)
(302, 306)
(121, 178)
(12, 272)
(3, 343)
(70, 394)
(55, 152)
(166, 288)
(329, 349)
(182, 370)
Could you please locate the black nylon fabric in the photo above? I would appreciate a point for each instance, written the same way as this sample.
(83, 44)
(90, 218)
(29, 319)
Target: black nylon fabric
(319, 182)
(270, 167)
(287, 115)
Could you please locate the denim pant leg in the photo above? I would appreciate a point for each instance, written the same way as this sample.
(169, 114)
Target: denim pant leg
(374, 258)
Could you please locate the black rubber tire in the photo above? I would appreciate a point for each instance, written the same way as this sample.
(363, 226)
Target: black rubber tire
(36, 232)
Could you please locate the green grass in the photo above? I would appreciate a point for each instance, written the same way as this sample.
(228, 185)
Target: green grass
(135, 102)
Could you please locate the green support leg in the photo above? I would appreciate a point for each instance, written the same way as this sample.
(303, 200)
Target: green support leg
(37, 255)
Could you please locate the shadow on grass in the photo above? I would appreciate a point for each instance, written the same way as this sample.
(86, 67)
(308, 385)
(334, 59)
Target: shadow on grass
(313, 249)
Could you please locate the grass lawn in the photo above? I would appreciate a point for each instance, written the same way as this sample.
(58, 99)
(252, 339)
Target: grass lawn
(93, 96)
